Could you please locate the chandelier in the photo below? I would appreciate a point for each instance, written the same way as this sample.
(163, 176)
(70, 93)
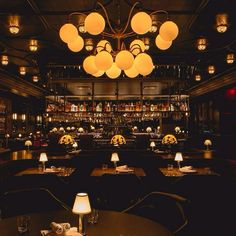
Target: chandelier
(133, 60)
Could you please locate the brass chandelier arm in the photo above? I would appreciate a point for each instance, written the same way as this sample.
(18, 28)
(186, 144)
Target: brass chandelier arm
(160, 11)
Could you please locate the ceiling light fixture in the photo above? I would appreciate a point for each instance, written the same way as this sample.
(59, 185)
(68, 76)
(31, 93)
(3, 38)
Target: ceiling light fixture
(211, 69)
(201, 44)
(221, 22)
(230, 58)
(134, 60)
(22, 70)
(146, 43)
(33, 45)
(198, 77)
(14, 27)
(88, 44)
(35, 78)
(4, 60)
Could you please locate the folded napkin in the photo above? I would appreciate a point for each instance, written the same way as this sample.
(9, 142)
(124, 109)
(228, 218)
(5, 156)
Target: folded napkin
(71, 232)
(124, 168)
(59, 228)
(186, 168)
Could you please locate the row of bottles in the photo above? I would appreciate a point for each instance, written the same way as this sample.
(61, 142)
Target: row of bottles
(106, 106)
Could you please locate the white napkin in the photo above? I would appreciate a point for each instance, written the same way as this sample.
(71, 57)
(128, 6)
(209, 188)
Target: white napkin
(186, 168)
(124, 168)
(71, 232)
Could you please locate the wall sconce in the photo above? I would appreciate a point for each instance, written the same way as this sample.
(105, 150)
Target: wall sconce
(4, 60)
(211, 69)
(221, 22)
(35, 78)
(14, 24)
(14, 116)
(22, 70)
(198, 77)
(88, 44)
(230, 58)
(201, 44)
(33, 45)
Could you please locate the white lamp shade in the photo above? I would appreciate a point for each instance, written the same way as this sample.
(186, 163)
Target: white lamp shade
(141, 23)
(103, 60)
(94, 23)
(207, 142)
(131, 72)
(114, 157)
(81, 204)
(124, 60)
(143, 64)
(68, 32)
(43, 157)
(161, 43)
(152, 144)
(76, 45)
(137, 46)
(89, 65)
(104, 45)
(178, 156)
(113, 72)
(169, 31)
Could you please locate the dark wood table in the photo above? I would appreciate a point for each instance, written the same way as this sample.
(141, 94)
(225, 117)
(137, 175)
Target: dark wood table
(59, 171)
(110, 223)
(99, 171)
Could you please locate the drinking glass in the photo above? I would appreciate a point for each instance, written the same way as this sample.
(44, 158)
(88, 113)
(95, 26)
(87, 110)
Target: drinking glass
(23, 224)
(93, 216)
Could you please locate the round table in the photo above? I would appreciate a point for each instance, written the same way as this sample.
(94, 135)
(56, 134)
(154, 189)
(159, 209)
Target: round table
(110, 223)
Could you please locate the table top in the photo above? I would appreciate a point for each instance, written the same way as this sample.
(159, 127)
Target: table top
(99, 171)
(175, 172)
(109, 223)
(59, 171)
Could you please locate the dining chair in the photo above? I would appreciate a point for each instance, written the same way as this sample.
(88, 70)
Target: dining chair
(165, 208)
(29, 200)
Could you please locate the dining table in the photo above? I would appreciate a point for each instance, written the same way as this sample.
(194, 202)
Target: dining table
(110, 223)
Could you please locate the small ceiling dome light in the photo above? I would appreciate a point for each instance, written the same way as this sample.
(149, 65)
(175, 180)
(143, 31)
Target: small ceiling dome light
(14, 27)
(131, 72)
(68, 32)
(230, 58)
(211, 69)
(104, 45)
(161, 43)
(113, 72)
(201, 44)
(22, 70)
(198, 77)
(153, 28)
(76, 45)
(33, 45)
(124, 59)
(88, 44)
(89, 65)
(137, 46)
(94, 23)
(103, 60)
(221, 23)
(169, 31)
(4, 60)
(141, 23)
(35, 78)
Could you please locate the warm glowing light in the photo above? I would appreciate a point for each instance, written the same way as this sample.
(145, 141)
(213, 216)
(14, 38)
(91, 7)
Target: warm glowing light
(113, 72)
(94, 23)
(137, 46)
(221, 23)
(22, 70)
(68, 32)
(89, 65)
(14, 27)
(104, 45)
(169, 31)
(4, 60)
(124, 60)
(76, 45)
(33, 45)
(103, 60)
(141, 23)
(89, 44)
(81, 204)
(143, 64)
(198, 77)
(201, 44)
(211, 69)
(161, 43)
(230, 58)
(14, 116)
(131, 72)
(35, 78)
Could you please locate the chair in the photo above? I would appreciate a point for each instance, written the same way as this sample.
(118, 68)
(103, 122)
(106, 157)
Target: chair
(165, 208)
(29, 200)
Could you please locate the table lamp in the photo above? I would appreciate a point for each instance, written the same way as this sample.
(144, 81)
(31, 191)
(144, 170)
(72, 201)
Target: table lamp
(114, 158)
(178, 158)
(207, 143)
(81, 207)
(152, 145)
(43, 158)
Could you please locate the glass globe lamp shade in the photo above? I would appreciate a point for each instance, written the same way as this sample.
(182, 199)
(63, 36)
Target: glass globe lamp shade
(137, 46)
(113, 72)
(89, 65)
(143, 64)
(76, 45)
(161, 43)
(124, 60)
(94, 23)
(14, 29)
(68, 32)
(103, 60)
(104, 45)
(221, 23)
(131, 72)
(98, 74)
(169, 31)
(141, 23)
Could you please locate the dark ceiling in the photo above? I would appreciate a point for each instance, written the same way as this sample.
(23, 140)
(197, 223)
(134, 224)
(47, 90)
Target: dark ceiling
(57, 67)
